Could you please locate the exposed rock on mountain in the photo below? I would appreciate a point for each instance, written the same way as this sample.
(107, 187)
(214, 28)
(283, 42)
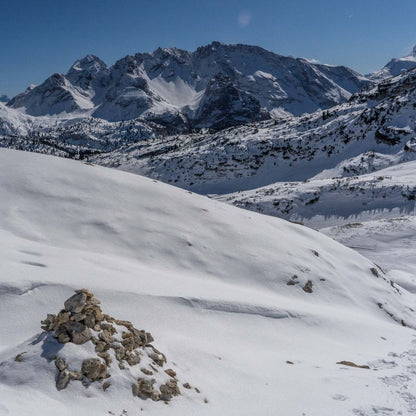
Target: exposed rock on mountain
(4, 98)
(224, 105)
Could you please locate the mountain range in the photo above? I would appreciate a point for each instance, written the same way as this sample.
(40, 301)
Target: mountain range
(372, 130)
(216, 86)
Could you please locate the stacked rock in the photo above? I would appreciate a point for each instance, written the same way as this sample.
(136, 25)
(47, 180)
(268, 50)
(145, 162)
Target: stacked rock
(82, 321)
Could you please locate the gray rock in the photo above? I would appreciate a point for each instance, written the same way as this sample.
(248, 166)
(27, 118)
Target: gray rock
(94, 369)
(143, 388)
(60, 364)
(169, 389)
(308, 287)
(105, 336)
(89, 321)
(119, 351)
(63, 338)
(62, 380)
(77, 332)
(141, 338)
(76, 303)
(133, 358)
(79, 317)
(76, 375)
(128, 341)
(159, 359)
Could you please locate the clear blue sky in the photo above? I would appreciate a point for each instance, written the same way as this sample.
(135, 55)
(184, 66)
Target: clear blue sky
(40, 37)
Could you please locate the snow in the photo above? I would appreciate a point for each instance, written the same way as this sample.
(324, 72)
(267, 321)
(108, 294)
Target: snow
(209, 281)
(389, 242)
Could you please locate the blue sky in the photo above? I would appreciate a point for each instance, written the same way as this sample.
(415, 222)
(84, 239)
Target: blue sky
(40, 37)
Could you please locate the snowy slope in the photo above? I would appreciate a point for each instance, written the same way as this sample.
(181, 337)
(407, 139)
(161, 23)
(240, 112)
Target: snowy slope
(390, 242)
(386, 193)
(182, 90)
(210, 282)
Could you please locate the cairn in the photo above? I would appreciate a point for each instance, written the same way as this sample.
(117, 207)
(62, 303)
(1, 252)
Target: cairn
(82, 321)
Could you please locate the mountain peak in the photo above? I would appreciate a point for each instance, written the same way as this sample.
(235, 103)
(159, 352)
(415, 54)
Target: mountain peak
(163, 53)
(89, 63)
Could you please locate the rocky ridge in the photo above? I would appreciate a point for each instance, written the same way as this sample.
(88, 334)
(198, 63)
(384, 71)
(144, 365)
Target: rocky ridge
(114, 343)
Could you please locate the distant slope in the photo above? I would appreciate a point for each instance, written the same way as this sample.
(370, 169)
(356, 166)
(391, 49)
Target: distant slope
(390, 242)
(209, 281)
(386, 193)
(395, 67)
(217, 86)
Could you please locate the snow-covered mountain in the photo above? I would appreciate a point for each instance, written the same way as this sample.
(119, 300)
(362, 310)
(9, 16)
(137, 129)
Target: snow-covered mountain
(251, 309)
(216, 86)
(373, 130)
(396, 66)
